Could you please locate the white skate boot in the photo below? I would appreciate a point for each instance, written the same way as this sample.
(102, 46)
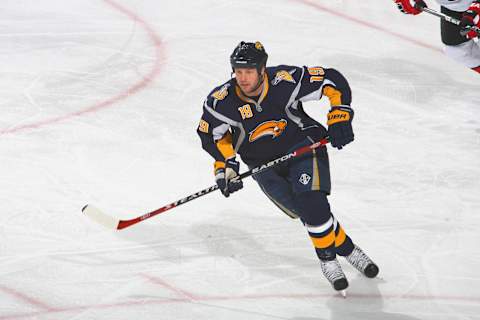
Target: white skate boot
(334, 274)
(362, 263)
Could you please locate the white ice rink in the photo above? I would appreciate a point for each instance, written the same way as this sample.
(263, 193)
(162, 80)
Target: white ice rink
(99, 104)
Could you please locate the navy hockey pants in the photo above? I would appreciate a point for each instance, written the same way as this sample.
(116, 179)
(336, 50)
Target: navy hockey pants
(300, 188)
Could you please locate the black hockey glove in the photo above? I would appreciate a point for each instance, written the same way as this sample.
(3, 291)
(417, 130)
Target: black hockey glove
(340, 126)
(223, 177)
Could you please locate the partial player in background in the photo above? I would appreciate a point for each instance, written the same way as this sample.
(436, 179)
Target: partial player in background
(258, 114)
(460, 48)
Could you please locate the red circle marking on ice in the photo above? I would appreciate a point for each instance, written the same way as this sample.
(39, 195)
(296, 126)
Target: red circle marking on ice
(146, 80)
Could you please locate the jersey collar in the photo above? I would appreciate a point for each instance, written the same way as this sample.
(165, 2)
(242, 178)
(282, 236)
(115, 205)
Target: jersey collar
(263, 94)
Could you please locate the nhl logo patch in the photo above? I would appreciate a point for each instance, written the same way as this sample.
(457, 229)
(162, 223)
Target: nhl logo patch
(304, 179)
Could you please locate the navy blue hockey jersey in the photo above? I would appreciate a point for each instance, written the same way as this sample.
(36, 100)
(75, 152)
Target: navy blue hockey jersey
(263, 128)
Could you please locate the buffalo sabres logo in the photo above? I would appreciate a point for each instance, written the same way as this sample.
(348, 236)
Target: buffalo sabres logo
(268, 128)
(222, 93)
(284, 75)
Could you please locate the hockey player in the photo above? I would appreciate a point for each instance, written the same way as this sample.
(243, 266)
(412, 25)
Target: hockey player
(462, 49)
(258, 114)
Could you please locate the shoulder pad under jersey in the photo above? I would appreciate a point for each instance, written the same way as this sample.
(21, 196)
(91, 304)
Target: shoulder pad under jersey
(220, 94)
(284, 73)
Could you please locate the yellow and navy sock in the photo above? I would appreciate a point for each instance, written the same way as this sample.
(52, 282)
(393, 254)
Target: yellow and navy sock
(343, 244)
(323, 239)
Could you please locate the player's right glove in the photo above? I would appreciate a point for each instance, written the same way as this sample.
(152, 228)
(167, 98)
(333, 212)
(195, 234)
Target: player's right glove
(410, 6)
(223, 177)
(340, 131)
(471, 18)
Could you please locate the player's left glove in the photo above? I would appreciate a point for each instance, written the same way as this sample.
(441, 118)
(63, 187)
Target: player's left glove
(410, 6)
(223, 177)
(471, 18)
(340, 128)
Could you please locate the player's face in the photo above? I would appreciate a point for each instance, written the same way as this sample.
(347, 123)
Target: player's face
(248, 80)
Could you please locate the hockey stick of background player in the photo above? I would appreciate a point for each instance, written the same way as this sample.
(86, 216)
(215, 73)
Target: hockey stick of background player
(451, 20)
(117, 224)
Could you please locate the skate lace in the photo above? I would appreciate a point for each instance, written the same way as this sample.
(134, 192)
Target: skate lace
(359, 259)
(332, 270)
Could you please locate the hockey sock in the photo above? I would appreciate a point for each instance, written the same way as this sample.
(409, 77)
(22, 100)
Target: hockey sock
(343, 244)
(315, 213)
(323, 239)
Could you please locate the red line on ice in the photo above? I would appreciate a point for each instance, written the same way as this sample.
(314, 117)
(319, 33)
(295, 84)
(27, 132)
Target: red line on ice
(146, 80)
(200, 298)
(365, 23)
(23, 297)
(180, 292)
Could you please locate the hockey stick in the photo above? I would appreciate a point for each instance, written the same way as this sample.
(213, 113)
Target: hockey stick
(117, 224)
(452, 20)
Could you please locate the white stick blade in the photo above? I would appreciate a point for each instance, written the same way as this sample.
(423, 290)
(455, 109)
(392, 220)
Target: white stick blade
(100, 217)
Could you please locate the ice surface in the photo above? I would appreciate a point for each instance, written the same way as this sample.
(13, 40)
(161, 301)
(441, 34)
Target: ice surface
(99, 104)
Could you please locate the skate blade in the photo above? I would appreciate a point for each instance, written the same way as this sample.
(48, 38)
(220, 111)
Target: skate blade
(343, 293)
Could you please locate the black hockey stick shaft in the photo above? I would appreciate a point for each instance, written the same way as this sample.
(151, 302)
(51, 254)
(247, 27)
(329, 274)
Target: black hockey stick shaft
(117, 224)
(451, 20)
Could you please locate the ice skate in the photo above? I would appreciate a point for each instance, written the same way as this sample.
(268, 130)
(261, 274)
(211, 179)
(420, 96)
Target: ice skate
(334, 274)
(362, 263)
